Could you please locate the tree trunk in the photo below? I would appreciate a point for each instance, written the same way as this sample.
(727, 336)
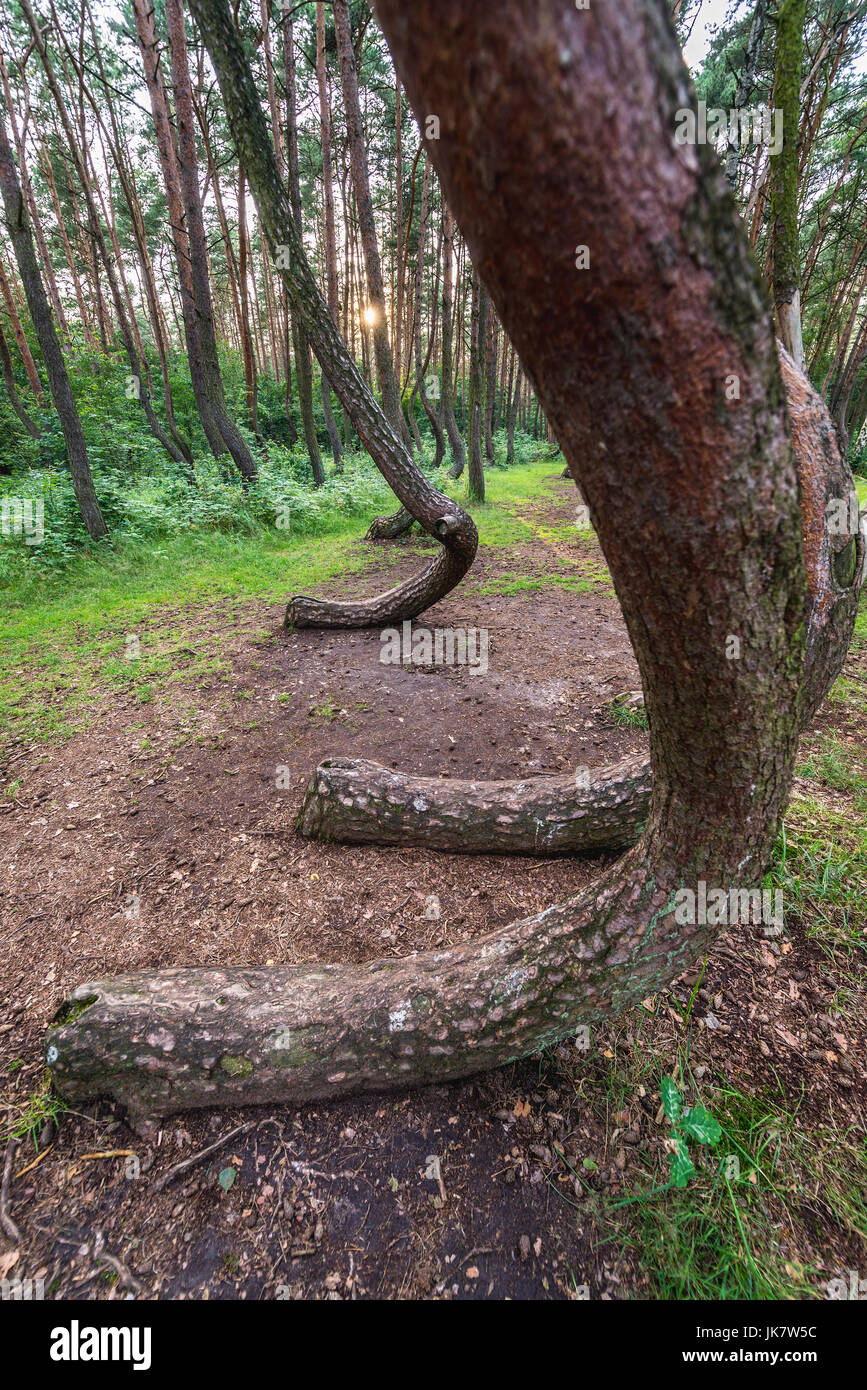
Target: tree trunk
(456, 443)
(785, 245)
(187, 163)
(330, 234)
(513, 416)
(478, 336)
(12, 390)
(303, 369)
(52, 355)
(149, 46)
(421, 387)
(361, 181)
(250, 374)
(20, 338)
(703, 542)
(747, 81)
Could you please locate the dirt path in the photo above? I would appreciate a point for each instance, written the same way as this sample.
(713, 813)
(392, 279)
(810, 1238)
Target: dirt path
(163, 835)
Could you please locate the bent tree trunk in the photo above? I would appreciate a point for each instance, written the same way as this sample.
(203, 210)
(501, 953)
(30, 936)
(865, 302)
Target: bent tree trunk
(439, 515)
(18, 227)
(703, 542)
(360, 802)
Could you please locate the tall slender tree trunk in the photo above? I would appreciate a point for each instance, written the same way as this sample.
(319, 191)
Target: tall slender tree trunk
(143, 12)
(785, 245)
(447, 398)
(303, 365)
(12, 390)
(187, 160)
(478, 330)
(330, 233)
(250, 373)
(513, 414)
(421, 385)
(20, 337)
(747, 81)
(361, 181)
(37, 302)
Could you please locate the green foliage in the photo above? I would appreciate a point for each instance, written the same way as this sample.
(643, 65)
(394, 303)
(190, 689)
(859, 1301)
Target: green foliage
(696, 1123)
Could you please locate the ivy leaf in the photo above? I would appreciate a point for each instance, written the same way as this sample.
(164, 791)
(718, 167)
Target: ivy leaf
(682, 1166)
(226, 1178)
(700, 1125)
(671, 1099)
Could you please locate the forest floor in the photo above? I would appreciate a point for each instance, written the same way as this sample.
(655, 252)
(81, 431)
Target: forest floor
(146, 820)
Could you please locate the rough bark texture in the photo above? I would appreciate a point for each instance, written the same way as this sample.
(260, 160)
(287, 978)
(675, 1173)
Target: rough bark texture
(703, 540)
(365, 803)
(784, 178)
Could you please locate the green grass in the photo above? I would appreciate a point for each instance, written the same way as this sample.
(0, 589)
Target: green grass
(64, 635)
(738, 1230)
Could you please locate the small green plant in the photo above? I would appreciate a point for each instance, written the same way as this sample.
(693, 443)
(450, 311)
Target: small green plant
(696, 1123)
(628, 716)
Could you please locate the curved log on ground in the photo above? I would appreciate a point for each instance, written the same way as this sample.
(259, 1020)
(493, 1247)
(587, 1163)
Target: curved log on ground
(361, 802)
(700, 527)
(358, 802)
(388, 528)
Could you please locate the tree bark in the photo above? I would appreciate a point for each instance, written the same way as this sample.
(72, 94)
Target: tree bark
(421, 387)
(703, 542)
(187, 163)
(785, 245)
(20, 337)
(52, 355)
(330, 234)
(747, 81)
(478, 335)
(303, 369)
(361, 181)
(12, 390)
(456, 442)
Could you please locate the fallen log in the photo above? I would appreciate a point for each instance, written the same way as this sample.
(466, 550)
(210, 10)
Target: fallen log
(360, 802)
